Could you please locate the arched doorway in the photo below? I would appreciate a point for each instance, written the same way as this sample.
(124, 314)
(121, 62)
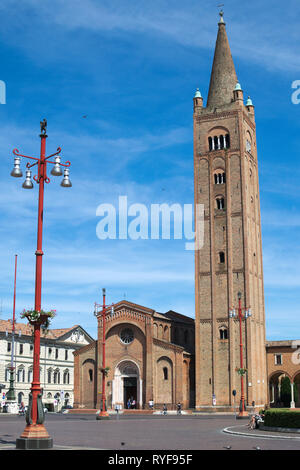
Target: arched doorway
(127, 384)
(275, 392)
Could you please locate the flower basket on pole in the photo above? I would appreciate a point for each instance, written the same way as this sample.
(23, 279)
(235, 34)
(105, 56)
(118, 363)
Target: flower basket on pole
(39, 317)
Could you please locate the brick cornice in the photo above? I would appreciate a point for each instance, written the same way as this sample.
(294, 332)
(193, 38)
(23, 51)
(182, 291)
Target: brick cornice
(216, 116)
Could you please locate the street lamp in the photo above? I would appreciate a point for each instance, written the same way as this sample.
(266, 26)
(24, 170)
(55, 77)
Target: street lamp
(241, 370)
(11, 395)
(103, 413)
(35, 435)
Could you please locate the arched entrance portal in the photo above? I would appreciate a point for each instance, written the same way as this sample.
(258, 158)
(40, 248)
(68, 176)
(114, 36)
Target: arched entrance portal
(127, 384)
(275, 389)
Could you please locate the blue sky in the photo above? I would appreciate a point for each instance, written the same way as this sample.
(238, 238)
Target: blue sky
(132, 68)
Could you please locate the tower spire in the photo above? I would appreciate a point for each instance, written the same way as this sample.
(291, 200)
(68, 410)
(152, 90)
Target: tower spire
(223, 77)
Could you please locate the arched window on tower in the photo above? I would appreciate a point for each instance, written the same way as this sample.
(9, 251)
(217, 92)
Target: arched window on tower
(218, 142)
(220, 202)
(220, 177)
(227, 141)
(221, 257)
(165, 372)
(223, 333)
(248, 142)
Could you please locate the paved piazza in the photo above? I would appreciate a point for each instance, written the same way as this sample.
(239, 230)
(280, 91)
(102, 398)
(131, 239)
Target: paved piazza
(73, 432)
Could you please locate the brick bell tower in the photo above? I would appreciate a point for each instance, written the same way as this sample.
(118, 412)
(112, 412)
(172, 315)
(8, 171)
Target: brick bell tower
(230, 261)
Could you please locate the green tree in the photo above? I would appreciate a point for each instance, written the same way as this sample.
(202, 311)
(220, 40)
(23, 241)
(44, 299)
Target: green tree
(285, 391)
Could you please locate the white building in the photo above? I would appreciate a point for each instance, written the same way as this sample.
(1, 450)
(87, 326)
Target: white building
(56, 362)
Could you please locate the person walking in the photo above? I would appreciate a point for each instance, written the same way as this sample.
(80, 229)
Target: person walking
(179, 408)
(165, 410)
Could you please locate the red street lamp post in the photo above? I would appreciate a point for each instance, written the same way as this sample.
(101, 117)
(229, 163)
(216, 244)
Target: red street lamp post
(103, 411)
(242, 371)
(35, 435)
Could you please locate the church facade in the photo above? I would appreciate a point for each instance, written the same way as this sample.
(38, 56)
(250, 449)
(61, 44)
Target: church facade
(149, 356)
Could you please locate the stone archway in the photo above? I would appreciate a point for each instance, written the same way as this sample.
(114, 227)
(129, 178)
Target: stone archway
(127, 383)
(275, 388)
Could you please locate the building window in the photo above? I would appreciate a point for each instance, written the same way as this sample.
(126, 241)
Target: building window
(220, 178)
(127, 336)
(49, 351)
(8, 347)
(56, 377)
(49, 376)
(220, 202)
(56, 353)
(219, 142)
(29, 375)
(66, 377)
(21, 375)
(165, 371)
(21, 349)
(91, 375)
(278, 359)
(221, 257)
(66, 355)
(31, 347)
(223, 333)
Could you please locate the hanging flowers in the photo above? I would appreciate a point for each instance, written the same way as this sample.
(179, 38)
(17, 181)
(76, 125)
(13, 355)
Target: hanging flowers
(104, 371)
(39, 316)
(241, 371)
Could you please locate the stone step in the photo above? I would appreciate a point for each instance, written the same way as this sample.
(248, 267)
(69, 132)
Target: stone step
(137, 412)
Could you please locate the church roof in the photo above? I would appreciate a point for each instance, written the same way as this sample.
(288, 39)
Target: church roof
(132, 305)
(223, 77)
(170, 315)
(179, 317)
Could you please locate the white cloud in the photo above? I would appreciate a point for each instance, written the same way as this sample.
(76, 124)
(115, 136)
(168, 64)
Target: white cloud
(269, 38)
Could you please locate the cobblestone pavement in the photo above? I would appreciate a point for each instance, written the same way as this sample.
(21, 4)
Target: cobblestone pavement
(171, 432)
